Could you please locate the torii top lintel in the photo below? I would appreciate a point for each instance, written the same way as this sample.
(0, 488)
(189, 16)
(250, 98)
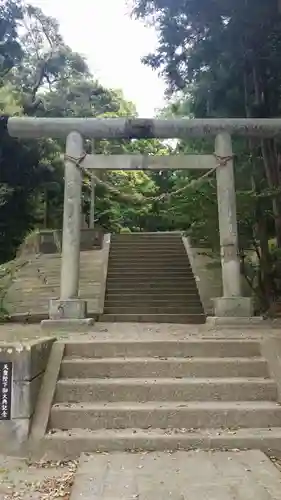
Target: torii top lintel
(141, 128)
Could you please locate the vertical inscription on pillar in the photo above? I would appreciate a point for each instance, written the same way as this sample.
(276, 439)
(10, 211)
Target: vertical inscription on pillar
(5, 390)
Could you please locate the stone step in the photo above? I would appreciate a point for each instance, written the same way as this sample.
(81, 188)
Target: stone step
(186, 389)
(144, 235)
(157, 306)
(142, 289)
(163, 348)
(147, 234)
(139, 254)
(141, 293)
(152, 300)
(169, 254)
(166, 280)
(153, 289)
(148, 244)
(183, 319)
(173, 269)
(160, 299)
(126, 308)
(150, 267)
(190, 415)
(144, 293)
(163, 367)
(152, 274)
(148, 294)
(130, 286)
(155, 274)
(155, 302)
(153, 253)
(152, 281)
(68, 444)
(154, 264)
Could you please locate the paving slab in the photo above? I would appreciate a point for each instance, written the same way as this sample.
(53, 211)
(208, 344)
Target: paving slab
(192, 475)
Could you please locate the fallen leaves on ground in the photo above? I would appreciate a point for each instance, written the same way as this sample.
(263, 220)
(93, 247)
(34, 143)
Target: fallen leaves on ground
(56, 487)
(276, 461)
(49, 488)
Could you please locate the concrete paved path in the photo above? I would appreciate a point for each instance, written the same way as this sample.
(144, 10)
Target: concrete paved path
(15, 332)
(246, 475)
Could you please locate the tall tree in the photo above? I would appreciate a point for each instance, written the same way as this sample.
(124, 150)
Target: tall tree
(82, 96)
(46, 59)
(10, 49)
(223, 56)
(226, 56)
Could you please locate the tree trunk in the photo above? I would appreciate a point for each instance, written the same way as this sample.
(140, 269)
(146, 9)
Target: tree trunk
(271, 166)
(261, 233)
(46, 207)
(269, 154)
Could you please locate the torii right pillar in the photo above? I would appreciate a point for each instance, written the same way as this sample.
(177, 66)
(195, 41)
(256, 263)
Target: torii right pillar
(232, 304)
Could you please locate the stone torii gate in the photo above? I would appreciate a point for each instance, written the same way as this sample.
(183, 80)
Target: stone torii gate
(69, 307)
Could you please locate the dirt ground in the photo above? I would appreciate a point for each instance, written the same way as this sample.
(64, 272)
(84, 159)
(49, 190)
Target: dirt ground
(20, 480)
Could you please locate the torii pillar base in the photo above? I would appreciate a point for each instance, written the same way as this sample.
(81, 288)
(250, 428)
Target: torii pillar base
(68, 315)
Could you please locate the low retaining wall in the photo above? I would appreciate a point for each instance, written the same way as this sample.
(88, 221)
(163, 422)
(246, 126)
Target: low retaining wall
(104, 269)
(50, 241)
(22, 366)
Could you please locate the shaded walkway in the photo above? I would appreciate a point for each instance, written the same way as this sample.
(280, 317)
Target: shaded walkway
(190, 475)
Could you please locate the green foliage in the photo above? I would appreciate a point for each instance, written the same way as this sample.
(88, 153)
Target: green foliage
(46, 59)
(10, 48)
(219, 58)
(51, 80)
(81, 96)
(222, 59)
(21, 177)
(10, 101)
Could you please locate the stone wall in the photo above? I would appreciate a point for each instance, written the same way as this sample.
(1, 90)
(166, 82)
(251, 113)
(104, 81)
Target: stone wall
(50, 241)
(29, 360)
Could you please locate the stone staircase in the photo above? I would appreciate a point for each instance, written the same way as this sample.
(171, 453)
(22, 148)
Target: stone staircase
(150, 279)
(163, 395)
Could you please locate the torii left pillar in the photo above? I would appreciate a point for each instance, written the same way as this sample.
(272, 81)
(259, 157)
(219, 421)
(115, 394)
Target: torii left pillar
(69, 308)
